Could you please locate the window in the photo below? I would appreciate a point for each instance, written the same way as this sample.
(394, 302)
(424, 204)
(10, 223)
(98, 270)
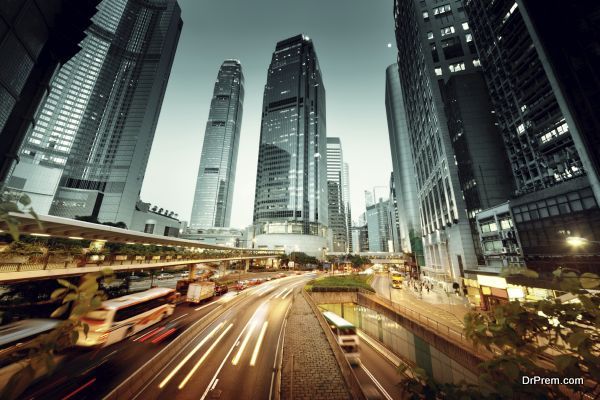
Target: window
(438, 71)
(442, 9)
(429, 35)
(447, 30)
(457, 67)
(434, 53)
(465, 26)
(469, 37)
(476, 62)
(452, 48)
(425, 15)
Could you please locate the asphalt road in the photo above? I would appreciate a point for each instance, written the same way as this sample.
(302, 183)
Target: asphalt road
(91, 374)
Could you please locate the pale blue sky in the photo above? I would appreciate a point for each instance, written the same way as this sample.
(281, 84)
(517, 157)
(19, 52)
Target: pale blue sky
(351, 39)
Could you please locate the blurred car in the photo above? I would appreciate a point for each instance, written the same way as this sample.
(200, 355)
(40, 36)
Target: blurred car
(164, 276)
(221, 289)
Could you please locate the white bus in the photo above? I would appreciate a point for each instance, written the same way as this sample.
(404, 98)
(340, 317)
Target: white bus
(122, 317)
(346, 336)
(14, 353)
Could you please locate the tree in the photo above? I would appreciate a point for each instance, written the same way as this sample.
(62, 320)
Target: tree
(76, 301)
(549, 338)
(15, 203)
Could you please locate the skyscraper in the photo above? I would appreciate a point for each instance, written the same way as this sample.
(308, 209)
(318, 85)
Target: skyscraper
(346, 196)
(435, 54)
(216, 175)
(409, 224)
(87, 152)
(35, 39)
(290, 204)
(544, 87)
(378, 226)
(335, 195)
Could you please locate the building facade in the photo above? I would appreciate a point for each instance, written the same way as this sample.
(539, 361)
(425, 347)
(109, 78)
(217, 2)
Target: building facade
(378, 226)
(92, 135)
(542, 84)
(216, 176)
(336, 196)
(409, 224)
(290, 203)
(154, 220)
(393, 218)
(36, 38)
(348, 207)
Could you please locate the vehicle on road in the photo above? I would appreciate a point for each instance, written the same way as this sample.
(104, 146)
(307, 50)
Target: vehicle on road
(397, 280)
(221, 289)
(14, 338)
(241, 285)
(122, 317)
(346, 336)
(164, 276)
(199, 291)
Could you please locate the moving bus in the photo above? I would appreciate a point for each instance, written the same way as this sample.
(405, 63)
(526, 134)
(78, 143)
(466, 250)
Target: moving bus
(346, 336)
(119, 318)
(14, 337)
(397, 280)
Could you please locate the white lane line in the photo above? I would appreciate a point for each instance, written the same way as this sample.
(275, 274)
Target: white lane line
(229, 352)
(238, 355)
(376, 382)
(258, 344)
(215, 384)
(288, 292)
(280, 293)
(186, 359)
(201, 307)
(181, 316)
(211, 348)
(277, 349)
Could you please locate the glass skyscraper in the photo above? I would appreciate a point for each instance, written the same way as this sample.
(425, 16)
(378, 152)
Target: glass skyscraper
(216, 175)
(336, 195)
(87, 151)
(291, 180)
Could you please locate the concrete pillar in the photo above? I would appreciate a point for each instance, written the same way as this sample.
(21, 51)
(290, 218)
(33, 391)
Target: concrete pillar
(192, 270)
(223, 266)
(247, 265)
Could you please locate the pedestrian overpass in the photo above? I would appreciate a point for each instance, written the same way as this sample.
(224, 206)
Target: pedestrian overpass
(16, 267)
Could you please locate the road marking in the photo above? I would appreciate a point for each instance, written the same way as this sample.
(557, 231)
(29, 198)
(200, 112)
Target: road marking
(277, 349)
(79, 389)
(238, 355)
(181, 316)
(211, 348)
(215, 384)
(288, 292)
(178, 367)
(201, 307)
(258, 343)
(229, 352)
(376, 382)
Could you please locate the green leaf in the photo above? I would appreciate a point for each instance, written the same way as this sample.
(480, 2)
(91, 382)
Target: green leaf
(589, 280)
(59, 311)
(563, 361)
(67, 284)
(25, 200)
(95, 302)
(70, 297)
(74, 337)
(86, 329)
(13, 229)
(58, 292)
(576, 338)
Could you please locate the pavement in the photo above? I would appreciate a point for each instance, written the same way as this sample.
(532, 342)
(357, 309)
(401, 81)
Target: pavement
(310, 369)
(445, 309)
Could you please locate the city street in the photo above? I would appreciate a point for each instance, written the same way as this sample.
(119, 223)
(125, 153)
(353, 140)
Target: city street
(94, 373)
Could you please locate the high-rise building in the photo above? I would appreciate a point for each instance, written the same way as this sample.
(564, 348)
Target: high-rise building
(216, 175)
(436, 50)
(290, 204)
(36, 37)
(87, 152)
(335, 194)
(409, 224)
(378, 227)
(393, 218)
(348, 208)
(544, 86)
(360, 238)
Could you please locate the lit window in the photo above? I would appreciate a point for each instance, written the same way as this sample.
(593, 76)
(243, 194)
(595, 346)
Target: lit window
(438, 71)
(425, 15)
(465, 26)
(476, 62)
(447, 30)
(469, 37)
(429, 35)
(520, 129)
(457, 67)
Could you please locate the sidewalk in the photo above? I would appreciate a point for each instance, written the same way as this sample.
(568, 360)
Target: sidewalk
(310, 370)
(434, 304)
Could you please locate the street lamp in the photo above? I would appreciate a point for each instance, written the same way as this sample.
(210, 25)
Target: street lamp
(576, 241)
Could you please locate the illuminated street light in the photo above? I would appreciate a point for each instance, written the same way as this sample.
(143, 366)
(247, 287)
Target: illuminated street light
(576, 241)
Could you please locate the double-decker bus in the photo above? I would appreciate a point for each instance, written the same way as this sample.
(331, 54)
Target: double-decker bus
(346, 336)
(122, 317)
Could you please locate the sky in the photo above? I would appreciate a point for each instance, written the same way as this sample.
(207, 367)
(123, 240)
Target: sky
(352, 40)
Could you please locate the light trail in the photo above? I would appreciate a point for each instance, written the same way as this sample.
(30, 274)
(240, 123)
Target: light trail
(238, 355)
(258, 343)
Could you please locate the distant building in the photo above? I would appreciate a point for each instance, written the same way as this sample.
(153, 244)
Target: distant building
(36, 38)
(91, 139)
(214, 187)
(346, 197)
(378, 228)
(335, 194)
(393, 218)
(154, 220)
(360, 239)
(290, 204)
(217, 236)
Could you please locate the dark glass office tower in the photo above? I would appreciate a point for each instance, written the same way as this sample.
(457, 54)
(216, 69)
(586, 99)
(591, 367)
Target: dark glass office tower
(216, 176)
(291, 181)
(86, 154)
(36, 37)
(540, 66)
